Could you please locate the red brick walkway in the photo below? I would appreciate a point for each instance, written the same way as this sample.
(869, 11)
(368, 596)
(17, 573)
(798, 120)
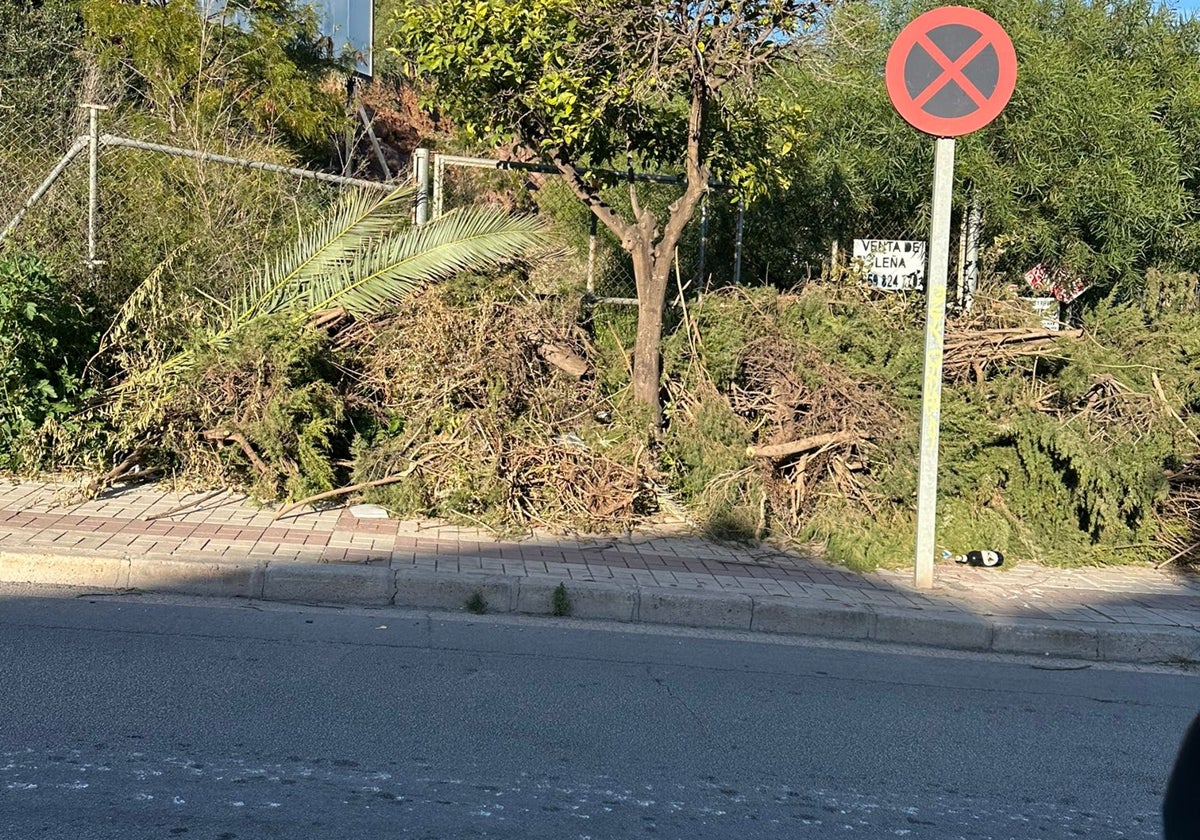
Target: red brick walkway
(150, 522)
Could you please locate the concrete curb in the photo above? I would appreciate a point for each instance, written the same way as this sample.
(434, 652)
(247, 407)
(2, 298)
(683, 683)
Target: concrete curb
(65, 569)
(420, 588)
(331, 583)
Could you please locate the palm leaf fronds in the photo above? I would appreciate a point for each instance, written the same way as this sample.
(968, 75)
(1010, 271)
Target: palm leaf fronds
(356, 221)
(363, 258)
(469, 239)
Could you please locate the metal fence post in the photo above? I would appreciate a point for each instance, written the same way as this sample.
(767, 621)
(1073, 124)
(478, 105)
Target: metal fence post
(700, 257)
(591, 263)
(422, 175)
(93, 179)
(971, 271)
(76, 149)
(737, 246)
(439, 185)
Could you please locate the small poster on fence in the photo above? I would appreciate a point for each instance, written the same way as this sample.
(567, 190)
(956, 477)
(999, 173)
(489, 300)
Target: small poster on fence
(893, 265)
(1063, 284)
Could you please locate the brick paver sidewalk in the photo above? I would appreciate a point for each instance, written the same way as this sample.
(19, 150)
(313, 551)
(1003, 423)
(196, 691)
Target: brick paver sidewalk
(148, 522)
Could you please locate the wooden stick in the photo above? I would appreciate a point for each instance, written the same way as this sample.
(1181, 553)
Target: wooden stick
(328, 316)
(341, 491)
(222, 435)
(563, 359)
(998, 338)
(207, 497)
(1162, 396)
(131, 460)
(783, 450)
(1177, 555)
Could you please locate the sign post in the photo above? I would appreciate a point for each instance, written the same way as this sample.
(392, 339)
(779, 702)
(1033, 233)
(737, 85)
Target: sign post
(949, 72)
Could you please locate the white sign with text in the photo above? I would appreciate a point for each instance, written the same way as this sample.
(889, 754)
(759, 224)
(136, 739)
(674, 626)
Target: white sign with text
(894, 265)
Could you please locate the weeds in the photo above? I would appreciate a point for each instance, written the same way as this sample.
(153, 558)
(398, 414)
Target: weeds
(560, 601)
(477, 604)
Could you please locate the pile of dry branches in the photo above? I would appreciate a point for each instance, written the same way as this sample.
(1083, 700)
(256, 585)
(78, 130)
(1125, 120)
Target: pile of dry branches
(809, 426)
(1183, 505)
(494, 414)
(812, 430)
(973, 352)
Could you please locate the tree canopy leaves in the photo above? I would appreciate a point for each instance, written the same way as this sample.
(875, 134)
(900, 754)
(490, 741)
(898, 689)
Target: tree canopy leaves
(1092, 165)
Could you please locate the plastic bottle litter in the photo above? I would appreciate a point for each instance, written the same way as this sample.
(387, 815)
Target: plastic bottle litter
(984, 557)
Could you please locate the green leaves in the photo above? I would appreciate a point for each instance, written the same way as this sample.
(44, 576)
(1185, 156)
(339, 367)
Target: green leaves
(1094, 163)
(263, 71)
(45, 338)
(363, 258)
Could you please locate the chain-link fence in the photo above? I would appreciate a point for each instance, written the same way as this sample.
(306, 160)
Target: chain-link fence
(790, 242)
(113, 207)
(591, 256)
(117, 205)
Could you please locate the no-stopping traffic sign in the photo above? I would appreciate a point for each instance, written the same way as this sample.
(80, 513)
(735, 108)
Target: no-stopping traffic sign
(951, 71)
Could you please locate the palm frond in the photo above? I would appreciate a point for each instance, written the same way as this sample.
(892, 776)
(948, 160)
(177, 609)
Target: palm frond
(359, 258)
(147, 295)
(357, 220)
(465, 239)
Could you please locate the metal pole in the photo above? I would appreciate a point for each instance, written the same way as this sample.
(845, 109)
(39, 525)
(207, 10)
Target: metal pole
(591, 265)
(935, 339)
(76, 149)
(961, 272)
(125, 142)
(737, 247)
(93, 179)
(439, 185)
(422, 172)
(703, 238)
(971, 274)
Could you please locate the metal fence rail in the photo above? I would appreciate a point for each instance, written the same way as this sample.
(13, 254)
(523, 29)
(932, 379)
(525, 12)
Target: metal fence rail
(607, 269)
(723, 245)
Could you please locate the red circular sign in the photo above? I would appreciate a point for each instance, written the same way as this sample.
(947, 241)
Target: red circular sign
(951, 71)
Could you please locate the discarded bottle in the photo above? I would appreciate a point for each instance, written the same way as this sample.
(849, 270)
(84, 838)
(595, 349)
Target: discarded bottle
(981, 558)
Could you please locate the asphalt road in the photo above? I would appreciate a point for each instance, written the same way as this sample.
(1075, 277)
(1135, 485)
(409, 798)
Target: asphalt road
(124, 718)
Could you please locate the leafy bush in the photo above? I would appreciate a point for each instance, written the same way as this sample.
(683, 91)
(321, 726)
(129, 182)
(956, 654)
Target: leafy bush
(46, 338)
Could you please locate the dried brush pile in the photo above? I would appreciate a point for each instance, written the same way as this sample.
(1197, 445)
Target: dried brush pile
(489, 411)
(788, 423)
(788, 415)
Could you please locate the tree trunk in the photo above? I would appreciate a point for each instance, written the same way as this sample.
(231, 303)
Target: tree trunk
(651, 281)
(651, 261)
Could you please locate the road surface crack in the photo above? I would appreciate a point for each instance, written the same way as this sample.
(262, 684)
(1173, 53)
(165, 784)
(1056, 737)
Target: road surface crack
(670, 693)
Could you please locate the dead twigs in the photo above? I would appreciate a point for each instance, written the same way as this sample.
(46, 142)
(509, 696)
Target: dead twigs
(342, 491)
(975, 351)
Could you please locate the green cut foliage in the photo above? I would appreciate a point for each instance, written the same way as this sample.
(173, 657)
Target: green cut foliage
(363, 259)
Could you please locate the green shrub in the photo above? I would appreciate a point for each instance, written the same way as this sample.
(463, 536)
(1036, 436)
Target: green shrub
(46, 338)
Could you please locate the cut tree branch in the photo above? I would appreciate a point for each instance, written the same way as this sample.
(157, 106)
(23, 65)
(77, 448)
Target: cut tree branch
(563, 359)
(808, 444)
(342, 491)
(226, 435)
